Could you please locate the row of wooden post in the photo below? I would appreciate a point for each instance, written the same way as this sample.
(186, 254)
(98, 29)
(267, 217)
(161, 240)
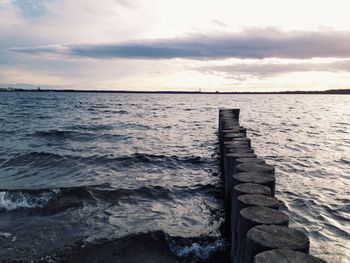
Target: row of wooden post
(258, 232)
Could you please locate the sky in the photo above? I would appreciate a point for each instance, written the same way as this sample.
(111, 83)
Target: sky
(220, 45)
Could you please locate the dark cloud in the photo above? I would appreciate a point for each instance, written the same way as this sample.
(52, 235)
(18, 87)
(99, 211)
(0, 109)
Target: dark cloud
(51, 49)
(252, 43)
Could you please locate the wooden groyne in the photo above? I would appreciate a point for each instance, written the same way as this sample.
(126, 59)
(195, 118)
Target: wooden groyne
(257, 231)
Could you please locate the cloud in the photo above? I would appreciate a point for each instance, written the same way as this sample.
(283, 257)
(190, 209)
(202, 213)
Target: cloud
(218, 23)
(49, 49)
(258, 43)
(30, 8)
(267, 69)
(45, 22)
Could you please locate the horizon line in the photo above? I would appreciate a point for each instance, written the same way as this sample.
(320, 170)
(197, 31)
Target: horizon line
(330, 91)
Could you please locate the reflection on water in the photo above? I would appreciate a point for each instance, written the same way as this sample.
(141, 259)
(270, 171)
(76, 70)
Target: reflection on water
(307, 138)
(80, 168)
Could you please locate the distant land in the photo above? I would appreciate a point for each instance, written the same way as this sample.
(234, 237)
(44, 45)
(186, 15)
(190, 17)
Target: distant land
(38, 89)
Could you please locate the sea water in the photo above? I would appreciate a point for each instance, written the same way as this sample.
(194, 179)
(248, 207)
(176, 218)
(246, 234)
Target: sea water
(108, 176)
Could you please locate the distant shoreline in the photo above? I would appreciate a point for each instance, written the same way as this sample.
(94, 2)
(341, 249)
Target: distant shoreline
(329, 92)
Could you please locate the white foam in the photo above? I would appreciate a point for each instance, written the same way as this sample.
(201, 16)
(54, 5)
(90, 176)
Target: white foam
(8, 235)
(199, 252)
(10, 200)
(5, 234)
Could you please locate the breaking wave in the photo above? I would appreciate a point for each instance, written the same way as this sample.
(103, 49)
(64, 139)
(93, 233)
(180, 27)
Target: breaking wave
(12, 200)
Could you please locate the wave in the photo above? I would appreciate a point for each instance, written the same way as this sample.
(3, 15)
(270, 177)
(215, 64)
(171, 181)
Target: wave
(343, 161)
(145, 157)
(116, 111)
(198, 249)
(44, 200)
(155, 246)
(6, 132)
(12, 200)
(58, 134)
(134, 126)
(115, 195)
(152, 192)
(91, 127)
(53, 200)
(49, 159)
(77, 135)
(37, 159)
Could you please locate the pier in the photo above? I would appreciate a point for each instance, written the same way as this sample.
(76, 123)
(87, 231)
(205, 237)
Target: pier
(257, 231)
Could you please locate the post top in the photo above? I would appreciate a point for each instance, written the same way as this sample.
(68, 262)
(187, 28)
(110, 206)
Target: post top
(285, 255)
(279, 237)
(264, 215)
(256, 199)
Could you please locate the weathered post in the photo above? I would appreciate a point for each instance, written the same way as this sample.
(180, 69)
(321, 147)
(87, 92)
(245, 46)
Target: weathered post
(254, 224)
(239, 190)
(253, 216)
(256, 167)
(285, 255)
(263, 238)
(240, 202)
(256, 178)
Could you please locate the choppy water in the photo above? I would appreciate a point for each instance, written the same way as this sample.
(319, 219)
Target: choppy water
(132, 175)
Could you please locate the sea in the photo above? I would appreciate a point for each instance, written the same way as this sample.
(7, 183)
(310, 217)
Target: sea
(117, 177)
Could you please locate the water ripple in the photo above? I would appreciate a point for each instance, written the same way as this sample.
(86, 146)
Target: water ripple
(126, 164)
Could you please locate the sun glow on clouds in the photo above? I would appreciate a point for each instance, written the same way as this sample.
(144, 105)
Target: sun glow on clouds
(183, 16)
(185, 45)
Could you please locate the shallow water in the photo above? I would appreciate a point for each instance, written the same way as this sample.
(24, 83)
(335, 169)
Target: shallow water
(87, 172)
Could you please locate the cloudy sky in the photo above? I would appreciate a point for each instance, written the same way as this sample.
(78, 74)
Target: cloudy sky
(220, 45)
